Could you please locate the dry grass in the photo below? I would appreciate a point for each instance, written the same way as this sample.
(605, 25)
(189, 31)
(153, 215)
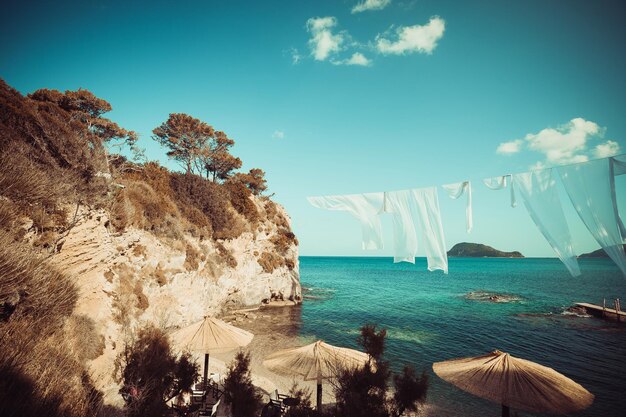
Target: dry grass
(42, 370)
(32, 184)
(85, 341)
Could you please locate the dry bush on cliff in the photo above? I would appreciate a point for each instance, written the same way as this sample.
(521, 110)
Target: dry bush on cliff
(283, 240)
(192, 258)
(129, 299)
(241, 199)
(83, 338)
(226, 256)
(211, 199)
(140, 206)
(270, 261)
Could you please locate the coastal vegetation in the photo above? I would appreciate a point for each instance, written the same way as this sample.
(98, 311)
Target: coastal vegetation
(151, 374)
(63, 163)
(365, 391)
(239, 394)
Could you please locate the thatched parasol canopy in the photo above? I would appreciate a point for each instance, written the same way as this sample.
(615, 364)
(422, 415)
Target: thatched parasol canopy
(211, 335)
(516, 383)
(315, 362)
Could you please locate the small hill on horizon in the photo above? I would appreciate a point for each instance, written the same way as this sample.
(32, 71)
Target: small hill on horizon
(600, 253)
(478, 250)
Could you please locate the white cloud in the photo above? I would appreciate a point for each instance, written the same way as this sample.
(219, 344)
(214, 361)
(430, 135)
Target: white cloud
(566, 144)
(417, 38)
(357, 58)
(508, 148)
(278, 134)
(295, 56)
(609, 148)
(370, 5)
(323, 42)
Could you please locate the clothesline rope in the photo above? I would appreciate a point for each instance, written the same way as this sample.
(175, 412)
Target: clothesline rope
(590, 186)
(623, 155)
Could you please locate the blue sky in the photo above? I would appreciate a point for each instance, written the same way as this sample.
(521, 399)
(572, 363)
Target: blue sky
(328, 99)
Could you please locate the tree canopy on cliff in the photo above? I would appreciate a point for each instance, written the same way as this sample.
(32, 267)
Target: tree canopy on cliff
(85, 110)
(187, 139)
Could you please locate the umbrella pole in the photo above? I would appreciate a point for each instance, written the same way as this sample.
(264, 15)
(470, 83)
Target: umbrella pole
(206, 369)
(505, 410)
(319, 396)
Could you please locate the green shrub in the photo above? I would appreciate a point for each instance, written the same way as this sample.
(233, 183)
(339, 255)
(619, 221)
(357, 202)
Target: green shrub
(363, 392)
(239, 392)
(151, 375)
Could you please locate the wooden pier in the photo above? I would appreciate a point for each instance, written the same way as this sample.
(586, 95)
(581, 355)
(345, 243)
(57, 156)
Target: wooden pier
(603, 311)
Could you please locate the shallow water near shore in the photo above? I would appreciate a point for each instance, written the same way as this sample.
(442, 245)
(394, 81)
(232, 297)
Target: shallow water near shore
(515, 305)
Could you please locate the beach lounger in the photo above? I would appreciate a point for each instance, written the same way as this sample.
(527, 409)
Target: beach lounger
(198, 397)
(277, 400)
(210, 410)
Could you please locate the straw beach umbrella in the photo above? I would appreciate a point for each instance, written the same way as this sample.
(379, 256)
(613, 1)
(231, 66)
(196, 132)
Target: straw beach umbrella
(211, 335)
(514, 382)
(315, 362)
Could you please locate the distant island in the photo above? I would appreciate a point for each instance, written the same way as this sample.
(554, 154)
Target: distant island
(478, 250)
(600, 253)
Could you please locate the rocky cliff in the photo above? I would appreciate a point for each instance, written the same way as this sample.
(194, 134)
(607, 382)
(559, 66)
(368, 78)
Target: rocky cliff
(134, 277)
(95, 247)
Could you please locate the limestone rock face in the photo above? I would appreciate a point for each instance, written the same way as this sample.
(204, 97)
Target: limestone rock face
(130, 279)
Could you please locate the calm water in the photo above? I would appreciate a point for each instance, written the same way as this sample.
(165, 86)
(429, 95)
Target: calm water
(429, 318)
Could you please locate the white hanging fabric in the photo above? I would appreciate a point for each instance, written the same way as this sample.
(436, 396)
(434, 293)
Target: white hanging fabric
(399, 205)
(591, 188)
(417, 207)
(455, 191)
(619, 168)
(541, 198)
(364, 207)
(498, 183)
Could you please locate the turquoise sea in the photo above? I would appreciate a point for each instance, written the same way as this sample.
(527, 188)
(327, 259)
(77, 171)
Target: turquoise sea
(431, 317)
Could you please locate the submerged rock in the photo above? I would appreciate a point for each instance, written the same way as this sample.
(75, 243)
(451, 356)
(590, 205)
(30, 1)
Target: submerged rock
(493, 297)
